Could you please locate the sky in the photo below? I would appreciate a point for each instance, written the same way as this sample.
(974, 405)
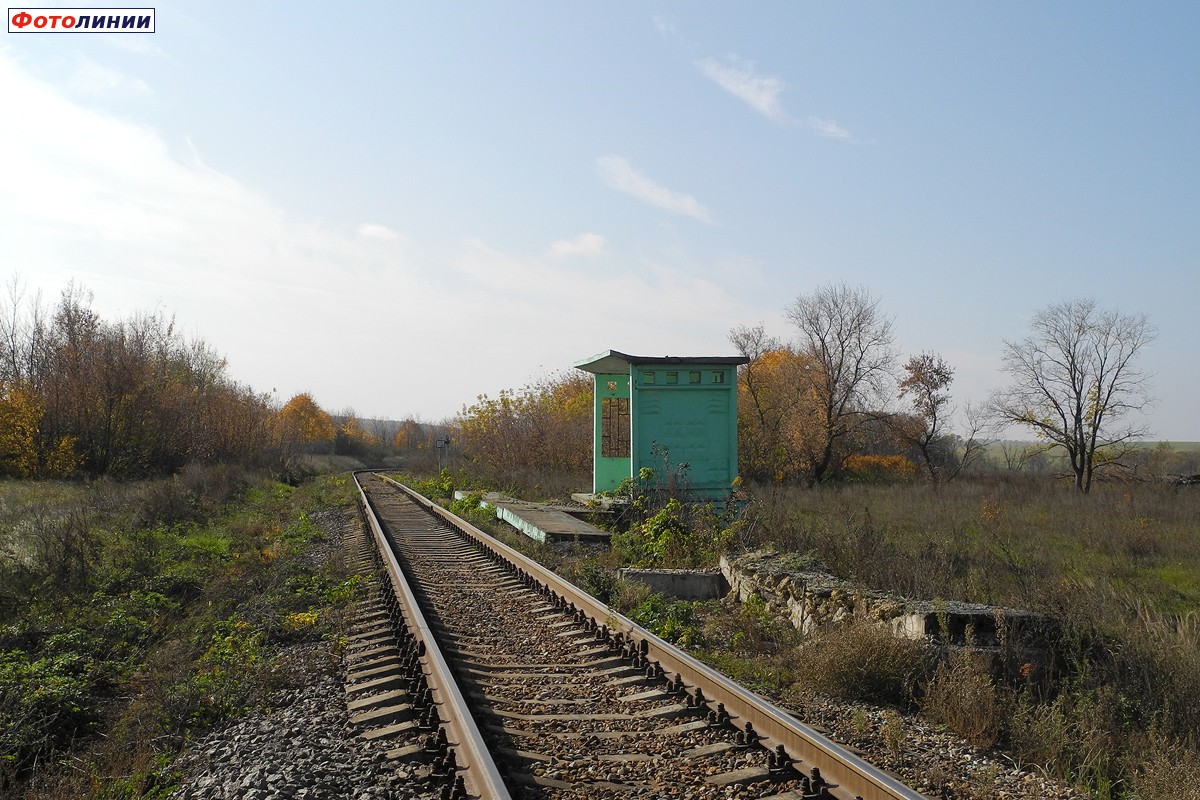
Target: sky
(399, 207)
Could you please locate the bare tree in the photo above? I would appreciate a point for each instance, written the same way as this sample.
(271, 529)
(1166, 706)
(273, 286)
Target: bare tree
(1075, 382)
(24, 336)
(974, 445)
(384, 430)
(850, 342)
(1023, 457)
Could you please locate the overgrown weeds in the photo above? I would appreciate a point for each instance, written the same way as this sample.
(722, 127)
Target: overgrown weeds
(1159, 766)
(1119, 571)
(144, 612)
(863, 662)
(677, 534)
(963, 696)
(673, 620)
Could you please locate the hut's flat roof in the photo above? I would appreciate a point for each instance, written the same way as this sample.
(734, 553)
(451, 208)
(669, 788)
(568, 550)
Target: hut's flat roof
(613, 361)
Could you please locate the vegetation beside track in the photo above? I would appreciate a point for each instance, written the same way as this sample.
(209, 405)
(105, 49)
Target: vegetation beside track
(1120, 569)
(136, 615)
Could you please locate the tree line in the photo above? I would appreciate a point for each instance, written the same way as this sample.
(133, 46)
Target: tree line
(133, 398)
(129, 398)
(544, 426)
(837, 401)
(822, 405)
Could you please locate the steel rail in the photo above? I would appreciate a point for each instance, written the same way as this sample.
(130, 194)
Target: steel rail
(474, 760)
(849, 775)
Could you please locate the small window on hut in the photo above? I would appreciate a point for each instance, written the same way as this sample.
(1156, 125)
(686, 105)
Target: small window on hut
(718, 377)
(648, 378)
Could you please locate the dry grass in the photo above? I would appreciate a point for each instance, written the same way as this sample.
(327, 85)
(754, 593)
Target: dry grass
(1119, 568)
(1161, 768)
(863, 662)
(963, 696)
(995, 541)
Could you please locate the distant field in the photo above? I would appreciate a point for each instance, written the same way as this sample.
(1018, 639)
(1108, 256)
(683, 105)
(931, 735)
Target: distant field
(1175, 458)
(1184, 446)
(1146, 445)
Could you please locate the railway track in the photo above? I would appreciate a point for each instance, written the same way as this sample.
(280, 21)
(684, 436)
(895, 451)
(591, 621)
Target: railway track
(507, 681)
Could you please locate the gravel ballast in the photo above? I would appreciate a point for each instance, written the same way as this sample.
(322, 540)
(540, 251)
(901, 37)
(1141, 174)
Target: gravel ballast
(303, 747)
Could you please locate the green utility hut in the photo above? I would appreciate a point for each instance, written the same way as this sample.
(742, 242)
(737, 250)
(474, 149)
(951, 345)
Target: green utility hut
(682, 406)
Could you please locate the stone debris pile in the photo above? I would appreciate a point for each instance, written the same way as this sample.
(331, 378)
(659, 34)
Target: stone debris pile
(811, 597)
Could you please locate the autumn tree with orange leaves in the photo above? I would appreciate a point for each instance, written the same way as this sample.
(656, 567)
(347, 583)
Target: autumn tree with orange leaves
(546, 426)
(926, 382)
(411, 435)
(303, 425)
(127, 398)
(22, 451)
(776, 415)
(353, 439)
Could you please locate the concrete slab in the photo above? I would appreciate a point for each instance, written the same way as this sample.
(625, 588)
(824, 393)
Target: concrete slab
(543, 522)
(546, 524)
(681, 583)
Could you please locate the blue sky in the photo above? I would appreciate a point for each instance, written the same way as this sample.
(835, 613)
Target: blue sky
(495, 191)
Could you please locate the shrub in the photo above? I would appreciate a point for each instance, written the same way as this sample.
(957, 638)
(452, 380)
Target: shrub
(861, 661)
(879, 469)
(673, 620)
(1074, 737)
(597, 581)
(230, 677)
(44, 702)
(753, 629)
(440, 487)
(470, 508)
(678, 536)
(963, 696)
(62, 547)
(167, 502)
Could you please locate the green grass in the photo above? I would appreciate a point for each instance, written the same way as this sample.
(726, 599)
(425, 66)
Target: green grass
(142, 613)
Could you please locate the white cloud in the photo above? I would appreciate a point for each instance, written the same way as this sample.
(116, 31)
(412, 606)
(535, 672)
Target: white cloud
(97, 80)
(691, 315)
(760, 92)
(373, 230)
(827, 127)
(585, 244)
(619, 174)
(298, 304)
